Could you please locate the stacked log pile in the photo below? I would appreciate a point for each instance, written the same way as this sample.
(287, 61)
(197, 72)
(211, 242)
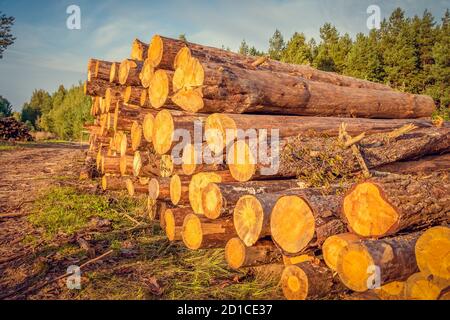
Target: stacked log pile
(13, 130)
(360, 198)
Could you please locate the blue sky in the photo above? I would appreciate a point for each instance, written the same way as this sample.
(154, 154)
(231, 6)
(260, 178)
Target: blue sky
(47, 54)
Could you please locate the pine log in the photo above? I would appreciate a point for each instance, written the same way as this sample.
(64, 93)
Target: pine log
(96, 87)
(146, 76)
(328, 158)
(91, 69)
(139, 50)
(433, 252)
(113, 96)
(194, 158)
(129, 71)
(112, 183)
(218, 125)
(134, 96)
(159, 188)
(425, 165)
(387, 205)
(332, 247)
(136, 186)
(201, 233)
(394, 290)
(232, 89)
(422, 286)
(166, 54)
(367, 264)
(126, 165)
(218, 200)
(114, 75)
(308, 281)
(160, 87)
(102, 70)
(238, 255)
(173, 222)
(179, 190)
(110, 164)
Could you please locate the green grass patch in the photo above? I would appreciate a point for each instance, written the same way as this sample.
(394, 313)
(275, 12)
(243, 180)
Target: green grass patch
(68, 210)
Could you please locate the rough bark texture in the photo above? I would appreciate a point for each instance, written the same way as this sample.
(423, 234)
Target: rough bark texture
(423, 165)
(112, 183)
(262, 253)
(102, 70)
(96, 87)
(139, 50)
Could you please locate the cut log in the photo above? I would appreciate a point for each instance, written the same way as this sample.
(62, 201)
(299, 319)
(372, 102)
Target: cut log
(134, 96)
(146, 74)
(193, 162)
(96, 88)
(433, 251)
(114, 75)
(394, 290)
(201, 233)
(218, 200)
(162, 51)
(321, 160)
(364, 265)
(332, 247)
(113, 95)
(136, 186)
(232, 89)
(126, 165)
(102, 70)
(139, 50)
(199, 182)
(112, 183)
(159, 188)
(179, 190)
(308, 281)
(238, 255)
(147, 164)
(110, 165)
(425, 165)
(129, 72)
(147, 127)
(91, 69)
(289, 260)
(422, 286)
(159, 88)
(165, 124)
(218, 124)
(173, 222)
(384, 206)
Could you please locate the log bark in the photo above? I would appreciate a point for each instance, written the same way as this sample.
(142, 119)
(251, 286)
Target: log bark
(135, 96)
(173, 222)
(218, 200)
(369, 263)
(238, 255)
(102, 70)
(387, 205)
(201, 233)
(425, 165)
(129, 72)
(136, 186)
(110, 164)
(112, 183)
(232, 89)
(96, 88)
(139, 50)
(179, 190)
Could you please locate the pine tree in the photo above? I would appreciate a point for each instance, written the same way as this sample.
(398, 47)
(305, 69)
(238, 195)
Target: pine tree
(6, 37)
(182, 37)
(276, 45)
(329, 41)
(255, 53)
(243, 48)
(5, 108)
(297, 50)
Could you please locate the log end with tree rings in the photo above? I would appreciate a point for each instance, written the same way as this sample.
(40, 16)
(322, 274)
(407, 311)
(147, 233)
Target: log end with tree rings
(183, 56)
(113, 73)
(216, 127)
(144, 98)
(178, 80)
(190, 100)
(169, 223)
(294, 283)
(367, 211)
(166, 166)
(235, 253)
(127, 94)
(196, 186)
(138, 50)
(175, 189)
(130, 187)
(433, 252)
(153, 189)
(137, 164)
(212, 201)
(104, 183)
(192, 233)
(354, 264)
(155, 50)
(136, 135)
(248, 217)
(146, 74)
(241, 161)
(124, 70)
(394, 290)
(163, 130)
(333, 246)
(147, 127)
(292, 224)
(159, 88)
(422, 286)
(189, 159)
(123, 145)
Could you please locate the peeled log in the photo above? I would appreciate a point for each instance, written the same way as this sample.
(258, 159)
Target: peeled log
(167, 56)
(300, 156)
(219, 199)
(173, 222)
(332, 247)
(139, 50)
(238, 255)
(217, 125)
(358, 263)
(433, 252)
(384, 206)
(232, 89)
(308, 281)
(201, 233)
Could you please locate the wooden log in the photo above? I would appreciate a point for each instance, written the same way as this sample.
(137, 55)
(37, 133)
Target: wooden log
(91, 69)
(394, 290)
(134, 96)
(193, 162)
(146, 75)
(129, 72)
(139, 50)
(218, 124)
(201, 233)
(126, 165)
(159, 89)
(238, 255)
(433, 251)
(425, 165)
(113, 96)
(385, 206)
(422, 286)
(112, 183)
(179, 190)
(165, 124)
(114, 75)
(136, 186)
(147, 164)
(232, 89)
(308, 281)
(370, 263)
(96, 88)
(173, 222)
(199, 182)
(332, 247)
(102, 70)
(110, 165)
(218, 200)
(159, 188)
(171, 53)
(313, 212)
(147, 127)
(327, 158)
